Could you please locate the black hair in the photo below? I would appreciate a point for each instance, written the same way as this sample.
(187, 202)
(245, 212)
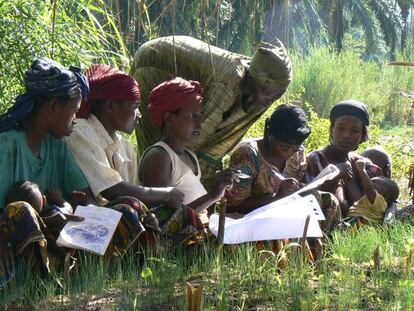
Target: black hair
(287, 123)
(24, 191)
(379, 157)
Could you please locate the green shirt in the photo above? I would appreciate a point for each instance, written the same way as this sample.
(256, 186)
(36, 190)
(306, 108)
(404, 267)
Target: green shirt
(55, 169)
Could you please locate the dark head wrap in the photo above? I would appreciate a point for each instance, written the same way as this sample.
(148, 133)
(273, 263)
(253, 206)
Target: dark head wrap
(170, 96)
(289, 124)
(45, 78)
(350, 107)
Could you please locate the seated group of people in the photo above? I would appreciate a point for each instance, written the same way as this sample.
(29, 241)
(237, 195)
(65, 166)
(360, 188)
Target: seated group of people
(62, 144)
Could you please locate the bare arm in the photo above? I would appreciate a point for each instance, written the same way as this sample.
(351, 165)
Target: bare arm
(171, 196)
(366, 183)
(155, 171)
(224, 180)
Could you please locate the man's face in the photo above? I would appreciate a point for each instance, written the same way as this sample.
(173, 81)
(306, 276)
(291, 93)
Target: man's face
(264, 96)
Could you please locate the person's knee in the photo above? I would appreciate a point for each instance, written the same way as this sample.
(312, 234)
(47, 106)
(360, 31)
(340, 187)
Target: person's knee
(19, 209)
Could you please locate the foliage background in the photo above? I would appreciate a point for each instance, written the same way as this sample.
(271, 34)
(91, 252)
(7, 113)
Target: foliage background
(339, 48)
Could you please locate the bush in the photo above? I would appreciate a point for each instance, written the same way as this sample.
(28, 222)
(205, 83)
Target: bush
(71, 32)
(323, 78)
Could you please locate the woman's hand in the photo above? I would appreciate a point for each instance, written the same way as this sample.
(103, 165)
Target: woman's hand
(288, 186)
(224, 181)
(345, 171)
(58, 220)
(78, 198)
(173, 197)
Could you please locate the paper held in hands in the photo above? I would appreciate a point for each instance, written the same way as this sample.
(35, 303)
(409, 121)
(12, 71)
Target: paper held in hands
(282, 219)
(94, 233)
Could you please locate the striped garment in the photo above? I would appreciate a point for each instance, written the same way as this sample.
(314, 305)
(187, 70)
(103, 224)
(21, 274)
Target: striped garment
(220, 73)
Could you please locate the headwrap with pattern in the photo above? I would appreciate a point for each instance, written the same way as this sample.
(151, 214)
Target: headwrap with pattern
(44, 78)
(271, 66)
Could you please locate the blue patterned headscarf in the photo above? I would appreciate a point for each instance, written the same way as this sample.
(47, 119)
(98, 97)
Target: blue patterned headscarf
(45, 78)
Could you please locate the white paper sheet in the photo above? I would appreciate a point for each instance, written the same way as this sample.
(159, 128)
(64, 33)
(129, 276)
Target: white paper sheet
(328, 173)
(92, 234)
(281, 219)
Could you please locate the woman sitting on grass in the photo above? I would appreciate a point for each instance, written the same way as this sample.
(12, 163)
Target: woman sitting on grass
(349, 128)
(31, 148)
(106, 157)
(176, 107)
(277, 165)
(276, 162)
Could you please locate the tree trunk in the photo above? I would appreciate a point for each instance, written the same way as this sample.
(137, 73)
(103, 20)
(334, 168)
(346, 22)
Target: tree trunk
(277, 22)
(336, 27)
(404, 15)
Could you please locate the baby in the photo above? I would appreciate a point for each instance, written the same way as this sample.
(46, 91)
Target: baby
(378, 194)
(379, 157)
(29, 192)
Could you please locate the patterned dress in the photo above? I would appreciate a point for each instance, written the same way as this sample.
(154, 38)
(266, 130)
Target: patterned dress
(266, 179)
(317, 161)
(23, 233)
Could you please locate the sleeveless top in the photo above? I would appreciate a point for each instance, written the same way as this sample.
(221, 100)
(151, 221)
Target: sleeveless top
(183, 177)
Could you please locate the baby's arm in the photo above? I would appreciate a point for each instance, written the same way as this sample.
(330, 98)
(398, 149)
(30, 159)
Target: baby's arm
(55, 197)
(367, 185)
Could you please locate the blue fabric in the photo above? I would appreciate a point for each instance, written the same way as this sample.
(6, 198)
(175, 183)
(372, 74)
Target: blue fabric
(45, 78)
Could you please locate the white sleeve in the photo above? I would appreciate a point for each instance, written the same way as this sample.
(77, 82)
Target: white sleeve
(92, 160)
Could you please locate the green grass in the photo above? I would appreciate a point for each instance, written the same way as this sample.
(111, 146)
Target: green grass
(323, 78)
(245, 278)
(400, 130)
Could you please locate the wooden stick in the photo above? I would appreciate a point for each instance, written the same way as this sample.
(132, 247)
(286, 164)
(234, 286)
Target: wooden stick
(319, 252)
(401, 63)
(409, 262)
(305, 232)
(190, 296)
(377, 258)
(319, 249)
(222, 219)
(194, 292)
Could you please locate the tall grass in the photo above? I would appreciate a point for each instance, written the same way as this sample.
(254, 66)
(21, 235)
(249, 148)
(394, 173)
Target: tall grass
(243, 278)
(71, 32)
(323, 78)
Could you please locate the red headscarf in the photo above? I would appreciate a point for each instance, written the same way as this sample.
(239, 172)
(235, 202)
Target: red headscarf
(108, 83)
(170, 96)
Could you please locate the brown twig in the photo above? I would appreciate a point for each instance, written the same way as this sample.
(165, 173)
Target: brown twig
(222, 219)
(377, 258)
